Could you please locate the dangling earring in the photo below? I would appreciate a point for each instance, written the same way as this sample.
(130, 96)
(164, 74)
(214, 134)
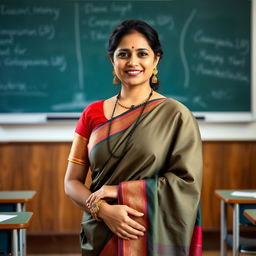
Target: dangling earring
(154, 77)
(115, 79)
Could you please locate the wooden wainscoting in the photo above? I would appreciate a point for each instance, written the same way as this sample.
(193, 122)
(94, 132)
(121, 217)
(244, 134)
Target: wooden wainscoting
(227, 165)
(41, 167)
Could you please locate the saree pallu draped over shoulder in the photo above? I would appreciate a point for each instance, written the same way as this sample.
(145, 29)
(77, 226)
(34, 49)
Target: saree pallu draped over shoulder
(159, 175)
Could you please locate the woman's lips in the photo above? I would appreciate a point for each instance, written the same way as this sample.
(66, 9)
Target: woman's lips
(133, 72)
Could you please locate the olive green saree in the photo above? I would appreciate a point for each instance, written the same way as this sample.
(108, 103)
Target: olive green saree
(159, 175)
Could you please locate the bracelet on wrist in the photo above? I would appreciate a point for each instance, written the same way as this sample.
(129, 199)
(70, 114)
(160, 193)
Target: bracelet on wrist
(95, 209)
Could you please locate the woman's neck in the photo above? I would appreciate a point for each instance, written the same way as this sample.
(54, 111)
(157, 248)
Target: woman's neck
(134, 95)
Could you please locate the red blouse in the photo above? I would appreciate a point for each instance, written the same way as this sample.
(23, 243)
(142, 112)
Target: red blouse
(92, 116)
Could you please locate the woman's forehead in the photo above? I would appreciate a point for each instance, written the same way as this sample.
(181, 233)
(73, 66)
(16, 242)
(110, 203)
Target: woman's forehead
(133, 41)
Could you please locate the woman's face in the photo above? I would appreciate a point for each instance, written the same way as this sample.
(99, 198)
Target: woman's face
(134, 60)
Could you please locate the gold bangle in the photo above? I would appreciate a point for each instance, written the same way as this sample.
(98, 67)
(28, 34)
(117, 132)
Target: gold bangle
(95, 209)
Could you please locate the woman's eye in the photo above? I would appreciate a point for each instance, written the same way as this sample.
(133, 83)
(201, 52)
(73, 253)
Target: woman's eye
(142, 54)
(122, 54)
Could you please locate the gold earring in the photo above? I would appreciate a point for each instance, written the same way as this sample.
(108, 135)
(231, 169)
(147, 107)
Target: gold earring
(154, 77)
(115, 79)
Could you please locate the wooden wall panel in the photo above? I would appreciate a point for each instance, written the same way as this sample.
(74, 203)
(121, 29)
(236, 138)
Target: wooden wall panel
(227, 165)
(41, 167)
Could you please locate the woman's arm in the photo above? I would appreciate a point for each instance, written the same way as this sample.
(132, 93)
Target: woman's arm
(77, 170)
(74, 185)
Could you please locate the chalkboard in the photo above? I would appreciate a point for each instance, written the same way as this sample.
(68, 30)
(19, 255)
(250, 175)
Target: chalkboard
(53, 56)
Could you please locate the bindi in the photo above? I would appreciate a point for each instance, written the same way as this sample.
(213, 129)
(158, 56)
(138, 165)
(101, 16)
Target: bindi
(132, 47)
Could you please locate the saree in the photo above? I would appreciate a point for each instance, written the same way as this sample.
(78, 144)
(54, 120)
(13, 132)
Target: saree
(160, 174)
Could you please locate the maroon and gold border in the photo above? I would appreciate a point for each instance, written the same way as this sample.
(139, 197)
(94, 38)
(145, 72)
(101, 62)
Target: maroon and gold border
(133, 194)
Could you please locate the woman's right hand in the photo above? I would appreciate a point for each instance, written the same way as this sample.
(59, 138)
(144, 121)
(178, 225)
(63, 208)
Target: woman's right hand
(118, 220)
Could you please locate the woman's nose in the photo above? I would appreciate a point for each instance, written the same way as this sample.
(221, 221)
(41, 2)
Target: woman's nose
(133, 60)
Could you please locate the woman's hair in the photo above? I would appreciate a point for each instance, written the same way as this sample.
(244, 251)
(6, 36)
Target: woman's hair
(129, 26)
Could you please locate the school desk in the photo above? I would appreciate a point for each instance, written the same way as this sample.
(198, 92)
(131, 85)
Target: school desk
(226, 198)
(21, 221)
(19, 198)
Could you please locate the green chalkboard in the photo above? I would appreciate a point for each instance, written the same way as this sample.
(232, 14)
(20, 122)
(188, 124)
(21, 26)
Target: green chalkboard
(53, 55)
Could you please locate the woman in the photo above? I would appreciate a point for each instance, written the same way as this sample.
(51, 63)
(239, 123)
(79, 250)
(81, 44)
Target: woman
(144, 151)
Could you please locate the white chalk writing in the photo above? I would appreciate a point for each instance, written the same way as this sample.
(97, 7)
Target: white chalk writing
(212, 58)
(28, 10)
(241, 45)
(121, 9)
(57, 61)
(50, 11)
(10, 11)
(22, 88)
(201, 69)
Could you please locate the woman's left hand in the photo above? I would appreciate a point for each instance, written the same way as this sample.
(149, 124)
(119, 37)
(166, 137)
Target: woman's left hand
(106, 191)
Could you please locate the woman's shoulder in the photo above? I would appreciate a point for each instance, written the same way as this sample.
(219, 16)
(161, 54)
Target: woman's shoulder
(93, 106)
(176, 107)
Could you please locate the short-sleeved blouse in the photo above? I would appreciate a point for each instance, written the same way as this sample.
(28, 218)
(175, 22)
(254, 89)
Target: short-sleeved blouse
(92, 116)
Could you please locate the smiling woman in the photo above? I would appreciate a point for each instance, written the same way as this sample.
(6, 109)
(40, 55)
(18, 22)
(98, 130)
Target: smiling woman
(144, 151)
(134, 61)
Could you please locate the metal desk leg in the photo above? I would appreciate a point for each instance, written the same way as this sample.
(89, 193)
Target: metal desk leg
(236, 230)
(24, 240)
(22, 232)
(19, 207)
(223, 228)
(14, 242)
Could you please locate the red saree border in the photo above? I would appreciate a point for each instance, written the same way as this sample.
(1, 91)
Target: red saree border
(119, 123)
(196, 242)
(128, 195)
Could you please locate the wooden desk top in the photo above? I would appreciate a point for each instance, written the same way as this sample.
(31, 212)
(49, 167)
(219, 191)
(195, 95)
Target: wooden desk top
(16, 196)
(22, 220)
(226, 196)
(251, 215)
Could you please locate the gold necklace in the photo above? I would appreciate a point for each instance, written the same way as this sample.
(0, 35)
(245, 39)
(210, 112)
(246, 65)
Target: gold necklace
(132, 106)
